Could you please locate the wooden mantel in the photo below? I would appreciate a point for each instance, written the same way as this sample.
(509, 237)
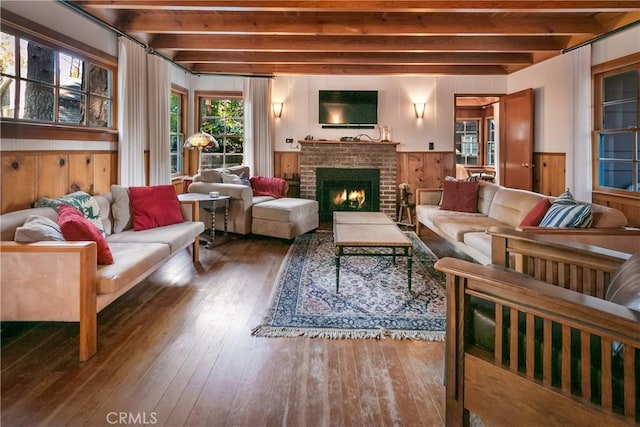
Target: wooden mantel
(336, 141)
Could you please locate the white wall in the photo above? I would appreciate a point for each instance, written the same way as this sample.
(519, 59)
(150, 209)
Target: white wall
(616, 46)
(396, 95)
(66, 21)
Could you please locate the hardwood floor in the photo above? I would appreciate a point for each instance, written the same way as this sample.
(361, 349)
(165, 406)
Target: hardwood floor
(177, 351)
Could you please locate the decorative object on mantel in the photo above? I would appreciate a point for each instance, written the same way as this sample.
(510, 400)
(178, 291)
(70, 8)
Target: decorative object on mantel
(375, 304)
(385, 133)
(200, 140)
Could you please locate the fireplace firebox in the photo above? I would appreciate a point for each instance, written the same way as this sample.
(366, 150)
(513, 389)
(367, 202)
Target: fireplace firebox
(342, 189)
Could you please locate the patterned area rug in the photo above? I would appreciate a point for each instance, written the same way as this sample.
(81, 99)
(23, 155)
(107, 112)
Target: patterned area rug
(374, 301)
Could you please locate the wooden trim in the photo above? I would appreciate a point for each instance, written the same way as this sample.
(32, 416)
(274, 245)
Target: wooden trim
(50, 131)
(616, 63)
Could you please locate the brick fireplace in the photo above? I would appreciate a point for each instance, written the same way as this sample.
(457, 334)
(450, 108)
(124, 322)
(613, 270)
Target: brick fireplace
(351, 155)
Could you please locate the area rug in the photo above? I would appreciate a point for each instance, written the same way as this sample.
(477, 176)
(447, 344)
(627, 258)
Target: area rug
(374, 300)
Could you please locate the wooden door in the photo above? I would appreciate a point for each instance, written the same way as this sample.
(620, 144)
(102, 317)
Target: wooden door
(516, 140)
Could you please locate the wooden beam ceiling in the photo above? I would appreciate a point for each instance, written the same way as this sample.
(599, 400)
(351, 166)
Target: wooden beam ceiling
(273, 37)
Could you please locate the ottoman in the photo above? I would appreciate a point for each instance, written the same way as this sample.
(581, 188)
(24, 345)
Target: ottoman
(285, 218)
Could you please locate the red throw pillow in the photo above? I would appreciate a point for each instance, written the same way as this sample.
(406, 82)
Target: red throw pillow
(154, 206)
(536, 214)
(461, 196)
(76, 228)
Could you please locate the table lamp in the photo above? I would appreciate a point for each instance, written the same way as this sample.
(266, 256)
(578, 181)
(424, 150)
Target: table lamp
(200, 140)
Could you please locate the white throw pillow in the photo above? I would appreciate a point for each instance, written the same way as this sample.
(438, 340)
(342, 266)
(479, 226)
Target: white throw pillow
(229, 178)
(38, 228)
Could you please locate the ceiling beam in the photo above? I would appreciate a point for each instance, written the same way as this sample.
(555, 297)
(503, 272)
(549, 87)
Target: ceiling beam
(357, 44)
(168, 22)
(366, 5)
(344, 69)
(378, 58)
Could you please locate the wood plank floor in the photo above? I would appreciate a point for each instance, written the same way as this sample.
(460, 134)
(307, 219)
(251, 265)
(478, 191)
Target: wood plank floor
(177, 351)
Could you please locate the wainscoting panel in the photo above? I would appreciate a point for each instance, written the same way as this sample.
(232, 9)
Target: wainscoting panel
(549, 173)
(630, 206)
(28, 176)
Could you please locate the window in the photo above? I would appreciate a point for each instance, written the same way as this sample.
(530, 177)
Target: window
(491, 141)
(617, 129)
(466, 138)
(40, 83)
(177, 103)
(222, 115)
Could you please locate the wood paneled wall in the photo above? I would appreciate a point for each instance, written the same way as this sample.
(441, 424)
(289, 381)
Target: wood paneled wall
(629, 206)
(549, 173)
(26, 176)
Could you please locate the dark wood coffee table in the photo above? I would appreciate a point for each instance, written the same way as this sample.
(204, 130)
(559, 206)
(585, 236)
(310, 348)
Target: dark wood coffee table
(368, 230)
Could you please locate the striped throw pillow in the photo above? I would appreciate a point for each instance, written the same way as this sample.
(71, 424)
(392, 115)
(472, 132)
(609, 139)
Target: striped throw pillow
(567, 215)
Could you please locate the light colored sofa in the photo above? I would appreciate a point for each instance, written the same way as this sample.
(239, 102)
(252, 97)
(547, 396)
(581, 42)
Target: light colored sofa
(242, 198)
(502, 206)
(280, 217)
(61, 281)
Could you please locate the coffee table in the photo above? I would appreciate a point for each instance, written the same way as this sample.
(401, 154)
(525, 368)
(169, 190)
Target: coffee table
(368, 230)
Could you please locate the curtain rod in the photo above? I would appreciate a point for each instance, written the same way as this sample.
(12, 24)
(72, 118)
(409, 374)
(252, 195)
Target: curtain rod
(119, 33)
(601, 36)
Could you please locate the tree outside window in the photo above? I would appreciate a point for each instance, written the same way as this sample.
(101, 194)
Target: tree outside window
(42, 84)
(176, 135)
(223, 117)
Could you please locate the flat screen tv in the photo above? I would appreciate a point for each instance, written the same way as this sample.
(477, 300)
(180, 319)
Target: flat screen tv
(343, 108)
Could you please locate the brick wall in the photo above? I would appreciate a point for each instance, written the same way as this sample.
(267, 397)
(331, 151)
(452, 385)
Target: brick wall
(350, 155)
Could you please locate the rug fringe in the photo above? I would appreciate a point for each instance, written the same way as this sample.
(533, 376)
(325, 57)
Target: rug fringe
(288, 332)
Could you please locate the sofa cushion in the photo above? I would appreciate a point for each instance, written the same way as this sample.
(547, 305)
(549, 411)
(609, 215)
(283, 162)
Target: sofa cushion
(455, 226)
(176, 236)
(606, 217)
(510, 205)
(478, 240)
(76, 228)
(131, 261)
(154, 206)
(38, 228)
(121, 209)
(286, 209)
(486, 193)
(460, 196)
(83, 202)
(12, 220)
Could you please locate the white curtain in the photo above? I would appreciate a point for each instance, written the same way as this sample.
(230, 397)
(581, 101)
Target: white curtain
(579, 173)
(132, 112)
(159, 89)
(258, 126)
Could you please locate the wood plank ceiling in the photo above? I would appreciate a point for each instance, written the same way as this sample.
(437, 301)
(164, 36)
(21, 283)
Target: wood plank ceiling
(276, 37)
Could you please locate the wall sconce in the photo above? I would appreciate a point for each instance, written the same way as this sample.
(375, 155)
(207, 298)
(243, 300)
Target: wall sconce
(419, 109)
(277, 109)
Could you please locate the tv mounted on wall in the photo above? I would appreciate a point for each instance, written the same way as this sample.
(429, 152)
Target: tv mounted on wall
(348, 108)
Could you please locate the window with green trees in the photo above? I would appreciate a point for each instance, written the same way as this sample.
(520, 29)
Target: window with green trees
(222, 115)
(177, 102)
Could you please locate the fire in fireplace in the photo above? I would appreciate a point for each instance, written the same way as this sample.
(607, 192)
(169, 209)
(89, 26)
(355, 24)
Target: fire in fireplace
(341, 189)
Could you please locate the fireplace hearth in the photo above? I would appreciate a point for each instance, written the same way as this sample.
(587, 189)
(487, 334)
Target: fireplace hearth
(346, 189)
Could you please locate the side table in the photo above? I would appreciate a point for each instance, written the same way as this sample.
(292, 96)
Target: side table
(210, 204)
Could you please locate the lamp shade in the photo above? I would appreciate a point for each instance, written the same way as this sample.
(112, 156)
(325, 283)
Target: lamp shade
(199, 140)
(419, 109)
